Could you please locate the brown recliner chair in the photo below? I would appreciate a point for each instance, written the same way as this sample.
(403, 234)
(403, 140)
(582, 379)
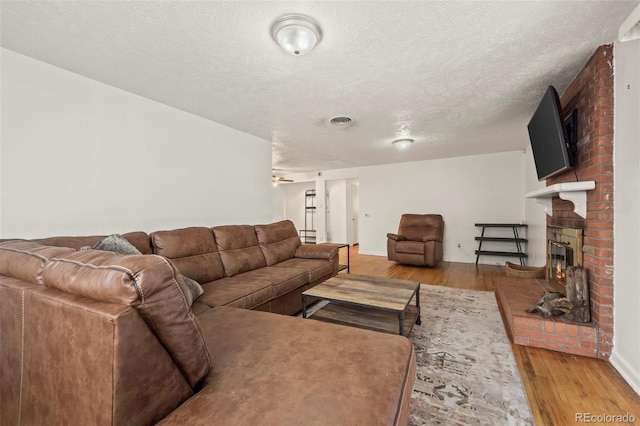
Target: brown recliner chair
(418, 241)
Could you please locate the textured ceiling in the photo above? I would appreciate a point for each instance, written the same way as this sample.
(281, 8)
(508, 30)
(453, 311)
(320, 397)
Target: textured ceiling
(461, 78)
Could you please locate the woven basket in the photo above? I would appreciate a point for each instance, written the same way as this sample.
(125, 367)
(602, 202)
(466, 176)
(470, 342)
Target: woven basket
(521, 271)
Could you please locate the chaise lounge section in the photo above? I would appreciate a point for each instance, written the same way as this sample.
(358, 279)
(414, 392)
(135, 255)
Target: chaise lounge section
(92, 337)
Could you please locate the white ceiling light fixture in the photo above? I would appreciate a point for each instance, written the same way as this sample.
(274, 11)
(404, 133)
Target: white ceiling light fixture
(296, 34)
(402, 144)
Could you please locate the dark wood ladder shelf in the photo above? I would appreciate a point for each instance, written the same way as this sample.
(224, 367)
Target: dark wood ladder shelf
(308, 234)
(516, 239)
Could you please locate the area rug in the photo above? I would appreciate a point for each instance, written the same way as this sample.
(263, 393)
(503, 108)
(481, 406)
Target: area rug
(467, 374)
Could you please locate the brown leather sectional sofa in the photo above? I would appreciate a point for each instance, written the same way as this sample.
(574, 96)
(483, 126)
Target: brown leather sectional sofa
(91, 337)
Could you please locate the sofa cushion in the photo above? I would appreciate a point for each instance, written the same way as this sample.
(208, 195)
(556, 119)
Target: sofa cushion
(151, 285)
(251, 289)
(416, 226)
(25, 260)
(198, 307)
(318, 251)
(285, 280)
(278, 241)
(412, 247)
(240, 291)
(115, 243)
(239, 249)
(139, 239)
(315, 269)
(193, 250)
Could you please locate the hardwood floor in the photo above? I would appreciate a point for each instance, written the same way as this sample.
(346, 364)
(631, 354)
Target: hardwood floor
(560, 387)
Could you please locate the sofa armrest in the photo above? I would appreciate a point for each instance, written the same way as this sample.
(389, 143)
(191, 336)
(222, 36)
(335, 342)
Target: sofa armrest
(316, 251)
(430, 238)
(396, 237)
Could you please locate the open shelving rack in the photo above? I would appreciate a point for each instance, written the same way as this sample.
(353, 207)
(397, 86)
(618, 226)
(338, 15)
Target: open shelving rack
(516, 239)
(308, 234)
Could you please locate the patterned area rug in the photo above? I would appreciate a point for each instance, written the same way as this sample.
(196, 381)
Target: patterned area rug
(467, 374)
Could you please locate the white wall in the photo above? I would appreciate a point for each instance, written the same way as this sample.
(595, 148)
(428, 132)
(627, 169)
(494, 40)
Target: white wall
(81, 157)
(465, 190)
(626, 343)
(534, 214)
(353, 207)
(337, 210)
(278, 203)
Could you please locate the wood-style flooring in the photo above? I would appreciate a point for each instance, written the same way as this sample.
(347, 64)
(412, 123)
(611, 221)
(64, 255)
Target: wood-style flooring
(560, 387)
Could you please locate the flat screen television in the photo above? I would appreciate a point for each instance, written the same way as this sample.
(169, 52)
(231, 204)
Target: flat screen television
(550, 142)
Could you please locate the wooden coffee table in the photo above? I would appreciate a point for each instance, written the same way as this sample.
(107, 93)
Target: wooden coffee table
(381, 304)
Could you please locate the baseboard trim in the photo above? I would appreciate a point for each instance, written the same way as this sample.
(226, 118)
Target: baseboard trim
(373, 253)
(626, 371)
(455, 259)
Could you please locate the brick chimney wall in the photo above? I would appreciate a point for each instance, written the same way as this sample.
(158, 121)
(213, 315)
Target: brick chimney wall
(592, 94)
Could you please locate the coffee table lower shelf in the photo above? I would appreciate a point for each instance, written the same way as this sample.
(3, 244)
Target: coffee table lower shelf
(367, 318)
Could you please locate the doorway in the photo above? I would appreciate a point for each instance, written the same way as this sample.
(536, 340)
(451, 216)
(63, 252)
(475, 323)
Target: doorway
(342, 208)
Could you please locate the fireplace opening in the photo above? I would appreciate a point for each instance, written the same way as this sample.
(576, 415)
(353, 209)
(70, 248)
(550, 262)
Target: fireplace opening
(568, 292)
(560, 257)
(564, 250)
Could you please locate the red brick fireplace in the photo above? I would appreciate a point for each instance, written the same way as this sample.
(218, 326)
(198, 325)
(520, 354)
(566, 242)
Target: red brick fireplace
(592, 94)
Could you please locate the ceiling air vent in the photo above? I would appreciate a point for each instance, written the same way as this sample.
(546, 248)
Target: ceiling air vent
(341, 121)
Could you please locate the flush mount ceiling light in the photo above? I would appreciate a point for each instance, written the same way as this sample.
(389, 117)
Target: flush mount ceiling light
(296, 34)
(402, 144)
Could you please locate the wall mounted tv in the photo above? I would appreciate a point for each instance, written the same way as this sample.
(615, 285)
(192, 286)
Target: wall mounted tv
(553, 139)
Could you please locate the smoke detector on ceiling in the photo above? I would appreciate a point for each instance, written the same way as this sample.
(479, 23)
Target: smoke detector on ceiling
(341, 121)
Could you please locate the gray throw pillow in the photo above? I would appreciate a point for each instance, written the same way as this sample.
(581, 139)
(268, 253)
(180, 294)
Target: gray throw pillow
(195, 289)
(116, 243)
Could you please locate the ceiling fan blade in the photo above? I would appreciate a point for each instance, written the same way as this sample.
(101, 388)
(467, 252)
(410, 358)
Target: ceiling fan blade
(278, 179)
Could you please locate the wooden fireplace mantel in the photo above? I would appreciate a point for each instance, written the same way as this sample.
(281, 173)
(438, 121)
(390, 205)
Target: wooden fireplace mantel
(576, 192)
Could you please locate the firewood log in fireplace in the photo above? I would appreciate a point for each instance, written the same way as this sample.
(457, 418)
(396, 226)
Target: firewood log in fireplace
(552, 303)
(577, 288)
